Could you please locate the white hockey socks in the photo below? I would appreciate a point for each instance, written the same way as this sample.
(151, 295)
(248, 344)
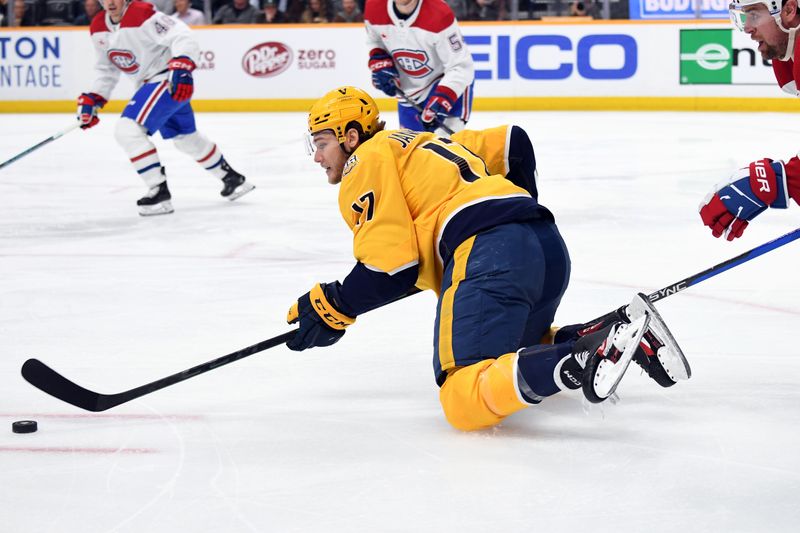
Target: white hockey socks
(202, 150)
(141, 151)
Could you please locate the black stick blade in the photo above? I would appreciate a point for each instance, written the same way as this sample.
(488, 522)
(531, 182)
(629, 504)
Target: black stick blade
(48, 380)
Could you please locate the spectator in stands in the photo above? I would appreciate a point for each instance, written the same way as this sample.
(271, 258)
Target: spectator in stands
(489, 10)
(619, 9)
(90, 9)
(292, 9)
(348, 11)
(3, 11)
(461, 8)
(316, 12)
(270, 14)
(23, 16)
(584, 8)
(165, 6)
(57, 12)
(236, 12)
(186, 13)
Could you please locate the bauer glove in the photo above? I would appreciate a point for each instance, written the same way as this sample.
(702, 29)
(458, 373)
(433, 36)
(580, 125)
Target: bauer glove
(384, 73)
(748, 192)
(88, 104)
(181, 84)
(438, 107)
(321, 323)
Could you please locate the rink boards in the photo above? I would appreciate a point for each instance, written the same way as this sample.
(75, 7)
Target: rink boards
(595, 65)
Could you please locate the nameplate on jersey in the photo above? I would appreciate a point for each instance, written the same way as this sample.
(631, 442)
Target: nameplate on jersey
(404, 137)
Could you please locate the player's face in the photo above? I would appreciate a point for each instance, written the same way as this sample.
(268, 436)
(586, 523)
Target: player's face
(762, 28)
(329, 155)
(406, 6)
(115, 8)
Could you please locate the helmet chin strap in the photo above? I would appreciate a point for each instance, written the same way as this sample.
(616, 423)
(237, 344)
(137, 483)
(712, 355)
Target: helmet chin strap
(790, 45)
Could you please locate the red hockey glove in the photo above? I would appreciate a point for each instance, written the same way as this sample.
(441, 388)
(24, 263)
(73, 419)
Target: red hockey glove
(88, 104)
(321, 323)
(438, 107)
(384, 73)
(181, 84)
(748, 192)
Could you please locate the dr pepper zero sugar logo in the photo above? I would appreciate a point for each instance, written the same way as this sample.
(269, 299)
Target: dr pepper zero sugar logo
(267, 59)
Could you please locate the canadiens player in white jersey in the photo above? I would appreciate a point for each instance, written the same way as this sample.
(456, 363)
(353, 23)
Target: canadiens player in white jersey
(416, 45)
(765, 183)
(159, 53)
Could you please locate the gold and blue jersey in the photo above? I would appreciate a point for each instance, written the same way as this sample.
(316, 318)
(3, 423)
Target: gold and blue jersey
(411, 198)
(492, 145)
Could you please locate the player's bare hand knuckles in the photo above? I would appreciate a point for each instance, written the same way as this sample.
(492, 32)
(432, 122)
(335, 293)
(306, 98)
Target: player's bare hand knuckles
(321, 322)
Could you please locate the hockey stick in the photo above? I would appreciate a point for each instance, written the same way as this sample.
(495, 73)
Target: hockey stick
(44, 142)
(418, 108)
(48, 380)
(685, 283)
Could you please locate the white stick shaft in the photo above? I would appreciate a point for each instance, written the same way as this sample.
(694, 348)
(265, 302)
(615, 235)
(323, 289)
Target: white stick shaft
(35, 147)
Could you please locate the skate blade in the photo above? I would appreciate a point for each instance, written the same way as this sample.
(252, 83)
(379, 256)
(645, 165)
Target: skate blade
(670, 356)
(609, 373)
(163, 208)
(240, 191)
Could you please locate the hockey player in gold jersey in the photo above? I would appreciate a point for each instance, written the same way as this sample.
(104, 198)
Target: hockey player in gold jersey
(461, 217)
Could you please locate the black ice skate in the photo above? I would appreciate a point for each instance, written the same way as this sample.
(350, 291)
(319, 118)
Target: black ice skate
(576, 331)
(606, 355)
(234, 184)
(646, 339)
(664, 365)
(157, 201)
(659, 354)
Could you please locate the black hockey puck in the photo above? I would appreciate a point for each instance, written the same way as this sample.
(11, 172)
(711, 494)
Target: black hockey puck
(24, 426)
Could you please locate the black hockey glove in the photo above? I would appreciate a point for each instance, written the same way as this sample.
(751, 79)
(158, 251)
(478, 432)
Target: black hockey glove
(321, 323)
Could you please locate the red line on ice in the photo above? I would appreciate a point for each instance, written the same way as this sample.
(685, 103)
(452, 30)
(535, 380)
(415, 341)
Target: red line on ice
(71, 449)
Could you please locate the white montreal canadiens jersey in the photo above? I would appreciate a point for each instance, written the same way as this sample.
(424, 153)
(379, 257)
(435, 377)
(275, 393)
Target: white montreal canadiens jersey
(140, 46)
(426, 47)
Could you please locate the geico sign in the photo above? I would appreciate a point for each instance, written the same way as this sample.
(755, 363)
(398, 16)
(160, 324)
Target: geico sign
(611, 56)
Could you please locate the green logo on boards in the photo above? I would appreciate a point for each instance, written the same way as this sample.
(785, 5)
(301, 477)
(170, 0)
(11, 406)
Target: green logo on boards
(706, 56)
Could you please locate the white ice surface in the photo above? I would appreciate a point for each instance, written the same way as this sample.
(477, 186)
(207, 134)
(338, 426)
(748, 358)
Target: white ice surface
(351, 438)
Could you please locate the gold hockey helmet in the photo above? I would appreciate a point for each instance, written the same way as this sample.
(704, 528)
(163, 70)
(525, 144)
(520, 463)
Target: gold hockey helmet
(340, 107)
